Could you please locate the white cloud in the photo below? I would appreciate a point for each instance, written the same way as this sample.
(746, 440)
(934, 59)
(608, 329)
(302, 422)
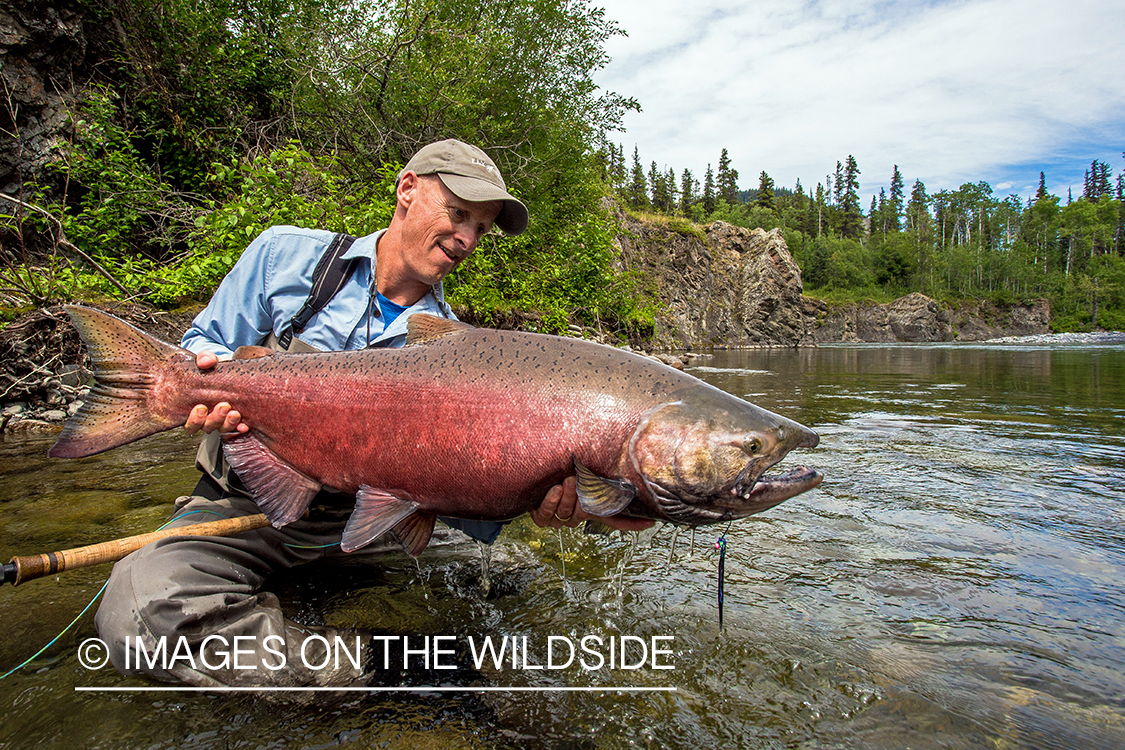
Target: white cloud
(950, 91)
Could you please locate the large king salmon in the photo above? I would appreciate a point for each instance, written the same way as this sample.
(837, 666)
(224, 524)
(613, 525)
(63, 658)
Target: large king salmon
(465, 422)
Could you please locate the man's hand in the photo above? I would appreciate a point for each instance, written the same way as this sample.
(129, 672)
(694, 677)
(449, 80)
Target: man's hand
(560, 508)
(222, 418)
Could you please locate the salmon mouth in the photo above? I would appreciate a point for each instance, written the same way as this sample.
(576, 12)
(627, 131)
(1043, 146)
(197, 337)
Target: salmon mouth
(759, 494)
(750, 496)
(776, 488)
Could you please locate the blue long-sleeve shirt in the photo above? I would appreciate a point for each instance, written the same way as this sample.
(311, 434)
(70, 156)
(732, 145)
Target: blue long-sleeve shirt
(270, 283)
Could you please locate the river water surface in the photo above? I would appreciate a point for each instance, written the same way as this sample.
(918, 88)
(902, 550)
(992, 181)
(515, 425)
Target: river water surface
(956, 582)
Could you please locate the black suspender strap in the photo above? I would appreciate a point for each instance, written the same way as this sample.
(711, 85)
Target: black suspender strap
(331, 271)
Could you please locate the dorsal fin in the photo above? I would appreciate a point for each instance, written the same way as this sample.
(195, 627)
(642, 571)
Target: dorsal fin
(422, 328)
(252, 352)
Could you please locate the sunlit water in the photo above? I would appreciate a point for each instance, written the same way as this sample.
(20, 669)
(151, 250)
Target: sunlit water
(955, 583)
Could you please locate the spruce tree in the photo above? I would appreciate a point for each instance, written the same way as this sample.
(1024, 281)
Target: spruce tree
(637, 195)
(726, 181)
(688, 195)
(1041, 193)
(821, 198)
(1098, 181)
(617, 166)
(894, 208)
(765, 191)
(919, 205)
(851, 226)
(661, 190)
(670, 186)
(708, 192)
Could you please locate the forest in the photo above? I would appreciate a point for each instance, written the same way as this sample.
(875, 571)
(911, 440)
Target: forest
(949, 245)
(191, 125)
(195, 124)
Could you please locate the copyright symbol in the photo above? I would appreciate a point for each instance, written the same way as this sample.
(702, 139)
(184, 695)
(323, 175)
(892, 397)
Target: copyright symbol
(93, 654)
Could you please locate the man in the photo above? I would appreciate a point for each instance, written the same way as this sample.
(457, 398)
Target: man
(201, 598)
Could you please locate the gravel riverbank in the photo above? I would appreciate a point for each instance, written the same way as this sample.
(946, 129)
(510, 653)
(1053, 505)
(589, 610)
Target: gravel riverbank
(1063, 339)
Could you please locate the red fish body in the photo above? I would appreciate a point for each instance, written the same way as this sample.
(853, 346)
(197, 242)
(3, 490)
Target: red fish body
(464, 422)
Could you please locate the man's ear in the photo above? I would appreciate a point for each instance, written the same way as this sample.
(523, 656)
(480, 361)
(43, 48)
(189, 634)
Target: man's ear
(407, 189)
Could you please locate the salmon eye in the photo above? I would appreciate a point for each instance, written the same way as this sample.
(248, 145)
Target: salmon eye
(753, 445)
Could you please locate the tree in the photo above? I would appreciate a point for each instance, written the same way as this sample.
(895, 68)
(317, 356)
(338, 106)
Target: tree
(820, 203)
(688, 194)
(852, 220)
(670, 182)
(895, 206)
(637, 194)
(726, 181)
(880, 213)
(1097, 181)
(615, 168)
(919, 225)
(518, 78)
(660, 190)
(708, 192)
(1041, 192)
(765, 197)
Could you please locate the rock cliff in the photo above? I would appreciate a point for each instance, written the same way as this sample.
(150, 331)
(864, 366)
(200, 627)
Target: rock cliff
(45, 51)
(720, 285)
(916, 317)
(725, 286)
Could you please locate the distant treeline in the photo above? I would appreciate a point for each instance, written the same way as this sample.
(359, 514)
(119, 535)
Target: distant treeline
(949, 244)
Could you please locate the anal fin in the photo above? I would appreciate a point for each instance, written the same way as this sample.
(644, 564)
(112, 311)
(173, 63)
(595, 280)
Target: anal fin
(599, 496)
(376, 512)
(282, 492)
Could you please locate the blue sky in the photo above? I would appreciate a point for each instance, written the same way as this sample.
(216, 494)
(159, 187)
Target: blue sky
(951, 92)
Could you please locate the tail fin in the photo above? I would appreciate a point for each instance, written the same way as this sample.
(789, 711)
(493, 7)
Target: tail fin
(125, 363)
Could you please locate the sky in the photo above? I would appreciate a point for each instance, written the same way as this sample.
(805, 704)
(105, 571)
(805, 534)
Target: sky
(951, 92)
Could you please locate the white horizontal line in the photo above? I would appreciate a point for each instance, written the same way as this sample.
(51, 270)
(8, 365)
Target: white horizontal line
(435, 689)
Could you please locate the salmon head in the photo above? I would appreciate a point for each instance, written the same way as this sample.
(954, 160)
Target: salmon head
(703, 457)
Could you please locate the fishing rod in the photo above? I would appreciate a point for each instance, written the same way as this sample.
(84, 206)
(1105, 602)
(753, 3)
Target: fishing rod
(28, 568)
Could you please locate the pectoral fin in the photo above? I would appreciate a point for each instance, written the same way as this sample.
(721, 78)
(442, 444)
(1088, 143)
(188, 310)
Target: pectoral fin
(597, 527)
(600, 496)
(282, 492)
(376, 512)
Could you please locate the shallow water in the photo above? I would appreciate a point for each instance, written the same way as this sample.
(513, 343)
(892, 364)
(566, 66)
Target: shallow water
(955, 583)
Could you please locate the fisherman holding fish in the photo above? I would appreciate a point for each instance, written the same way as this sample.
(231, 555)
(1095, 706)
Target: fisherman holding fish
(206, 592)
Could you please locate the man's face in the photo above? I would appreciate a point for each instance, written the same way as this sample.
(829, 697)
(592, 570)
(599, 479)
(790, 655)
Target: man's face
(440, 230)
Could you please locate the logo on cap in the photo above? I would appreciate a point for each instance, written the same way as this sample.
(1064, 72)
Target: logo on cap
(482, 163)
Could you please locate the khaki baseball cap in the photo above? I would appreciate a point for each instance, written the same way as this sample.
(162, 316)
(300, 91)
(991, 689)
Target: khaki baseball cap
(470, 175)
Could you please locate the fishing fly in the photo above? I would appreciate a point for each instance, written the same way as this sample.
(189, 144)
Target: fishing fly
(721, 546)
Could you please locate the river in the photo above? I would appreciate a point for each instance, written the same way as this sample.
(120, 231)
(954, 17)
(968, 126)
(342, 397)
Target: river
(956, 582)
